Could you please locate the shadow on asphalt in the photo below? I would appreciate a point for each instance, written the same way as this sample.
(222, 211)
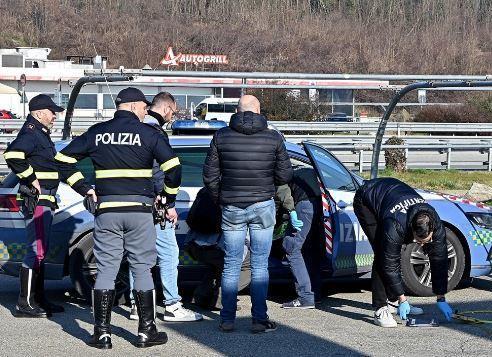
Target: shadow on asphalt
(286, 341)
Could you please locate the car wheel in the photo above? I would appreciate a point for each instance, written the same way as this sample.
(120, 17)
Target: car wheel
(415, 266)
(82, 268)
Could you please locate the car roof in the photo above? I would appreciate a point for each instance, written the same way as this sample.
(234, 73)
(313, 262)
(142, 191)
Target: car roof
(220, 101)
(184, 141)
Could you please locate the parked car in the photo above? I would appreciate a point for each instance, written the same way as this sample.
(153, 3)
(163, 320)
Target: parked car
(6, 114)
(348, 254)
(337, 117)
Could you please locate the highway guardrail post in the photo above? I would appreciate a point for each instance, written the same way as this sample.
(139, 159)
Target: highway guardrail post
(361, 160)
(448, 166)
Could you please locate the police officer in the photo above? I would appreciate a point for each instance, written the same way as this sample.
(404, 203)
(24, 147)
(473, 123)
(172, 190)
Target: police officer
(31, 157)
(303, 192)
(160, 113)
(391, 213)
(123, 150)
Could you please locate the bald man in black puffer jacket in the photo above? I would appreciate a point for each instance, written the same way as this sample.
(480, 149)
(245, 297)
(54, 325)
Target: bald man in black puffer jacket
(245, 162)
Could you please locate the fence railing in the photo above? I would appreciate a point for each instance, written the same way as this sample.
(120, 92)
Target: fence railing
(81, 124)
(429, 156)
(352, 142)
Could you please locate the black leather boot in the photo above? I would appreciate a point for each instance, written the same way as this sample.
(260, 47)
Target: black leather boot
(147, 331)
(40, 297)
(26, 304)
(102, 303)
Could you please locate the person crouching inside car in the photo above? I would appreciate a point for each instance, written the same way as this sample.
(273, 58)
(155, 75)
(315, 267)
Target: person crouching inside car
(392, 214)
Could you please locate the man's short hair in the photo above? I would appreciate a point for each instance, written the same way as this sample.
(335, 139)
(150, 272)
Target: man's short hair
(422, 225)
(163, 97)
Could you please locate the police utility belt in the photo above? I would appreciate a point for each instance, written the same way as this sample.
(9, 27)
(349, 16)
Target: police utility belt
(29, 198)
(118, 203)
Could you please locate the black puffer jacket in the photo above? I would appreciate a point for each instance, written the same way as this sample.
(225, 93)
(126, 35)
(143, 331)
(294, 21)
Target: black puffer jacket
(246, 161)
(394, 203)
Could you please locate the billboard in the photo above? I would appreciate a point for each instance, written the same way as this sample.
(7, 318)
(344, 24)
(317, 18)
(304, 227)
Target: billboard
(170, 59)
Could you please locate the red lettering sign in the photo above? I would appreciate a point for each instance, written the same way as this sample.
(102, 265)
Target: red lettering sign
(170, 59)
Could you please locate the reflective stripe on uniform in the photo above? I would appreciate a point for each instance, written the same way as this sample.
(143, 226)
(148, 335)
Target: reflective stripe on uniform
(171, 191)
(64, 158)
(47, 175)
(14, 155)
(119, 204)
(75, 178)
(169, 164)
(26, 173)
(48, 198)
(124, 173)
(40, 197)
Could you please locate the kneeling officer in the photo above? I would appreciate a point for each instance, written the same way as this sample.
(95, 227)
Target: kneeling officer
(391, 213)
(123, 150)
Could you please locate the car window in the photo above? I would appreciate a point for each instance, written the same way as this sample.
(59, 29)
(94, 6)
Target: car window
(9, 181)
(192, 160)
(85, 166)
(334, 175)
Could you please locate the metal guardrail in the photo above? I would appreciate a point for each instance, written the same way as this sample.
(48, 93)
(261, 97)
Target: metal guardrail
(357, 156)
(303, 126)
(399, 128)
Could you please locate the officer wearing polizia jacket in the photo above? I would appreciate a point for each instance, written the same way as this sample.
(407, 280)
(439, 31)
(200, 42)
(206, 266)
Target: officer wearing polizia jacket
(123, 150)
(391, 213)
(31, 157)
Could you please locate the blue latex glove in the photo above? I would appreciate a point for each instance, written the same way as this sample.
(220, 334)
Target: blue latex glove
(445, 309)
(404, 309)
(296, 223)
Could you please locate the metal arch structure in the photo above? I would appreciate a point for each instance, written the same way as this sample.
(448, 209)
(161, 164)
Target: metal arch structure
(398, 96)
(76, 90)
(453, 82)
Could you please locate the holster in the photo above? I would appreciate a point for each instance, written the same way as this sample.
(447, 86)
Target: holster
(159, 214)
(30, 197)
(90, 205)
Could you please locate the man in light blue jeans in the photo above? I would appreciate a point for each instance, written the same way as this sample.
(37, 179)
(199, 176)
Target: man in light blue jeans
(259, 219)
(168, 260)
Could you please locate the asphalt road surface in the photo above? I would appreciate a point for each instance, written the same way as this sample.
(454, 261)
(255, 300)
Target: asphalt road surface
(341, 326)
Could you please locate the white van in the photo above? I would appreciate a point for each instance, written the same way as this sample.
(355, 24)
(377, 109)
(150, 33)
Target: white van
(216, 109)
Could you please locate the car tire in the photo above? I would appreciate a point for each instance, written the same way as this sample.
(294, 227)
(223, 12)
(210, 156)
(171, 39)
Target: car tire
(82, 269)
(415, 267)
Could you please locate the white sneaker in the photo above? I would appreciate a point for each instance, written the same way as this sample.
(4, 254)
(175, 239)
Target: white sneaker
(414, 310)
(383, 318)
(176, 312)
(133, 312)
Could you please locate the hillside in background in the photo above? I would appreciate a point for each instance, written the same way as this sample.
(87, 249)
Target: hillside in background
(328, 36)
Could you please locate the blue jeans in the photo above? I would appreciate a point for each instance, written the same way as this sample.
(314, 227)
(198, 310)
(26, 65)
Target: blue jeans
(168, 259)
(293, 243)
(259, 219)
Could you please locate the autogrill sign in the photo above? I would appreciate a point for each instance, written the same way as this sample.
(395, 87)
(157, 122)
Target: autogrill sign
(170, 59)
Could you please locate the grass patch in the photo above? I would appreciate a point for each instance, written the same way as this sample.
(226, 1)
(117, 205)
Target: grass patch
(439, 180)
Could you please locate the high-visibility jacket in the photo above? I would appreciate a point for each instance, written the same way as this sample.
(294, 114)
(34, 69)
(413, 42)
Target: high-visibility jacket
(122, 151)
(31, 156)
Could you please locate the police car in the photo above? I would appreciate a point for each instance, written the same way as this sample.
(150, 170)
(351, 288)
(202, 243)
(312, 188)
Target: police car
(343, 248)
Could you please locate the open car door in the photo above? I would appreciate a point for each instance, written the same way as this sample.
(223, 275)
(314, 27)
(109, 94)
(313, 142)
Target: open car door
(347, 248)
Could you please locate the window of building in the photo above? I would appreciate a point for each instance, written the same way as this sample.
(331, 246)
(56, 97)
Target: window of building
(86, 101)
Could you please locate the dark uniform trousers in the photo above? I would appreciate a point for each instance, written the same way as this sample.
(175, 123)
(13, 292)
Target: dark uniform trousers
(31, 157)
(369, 225)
